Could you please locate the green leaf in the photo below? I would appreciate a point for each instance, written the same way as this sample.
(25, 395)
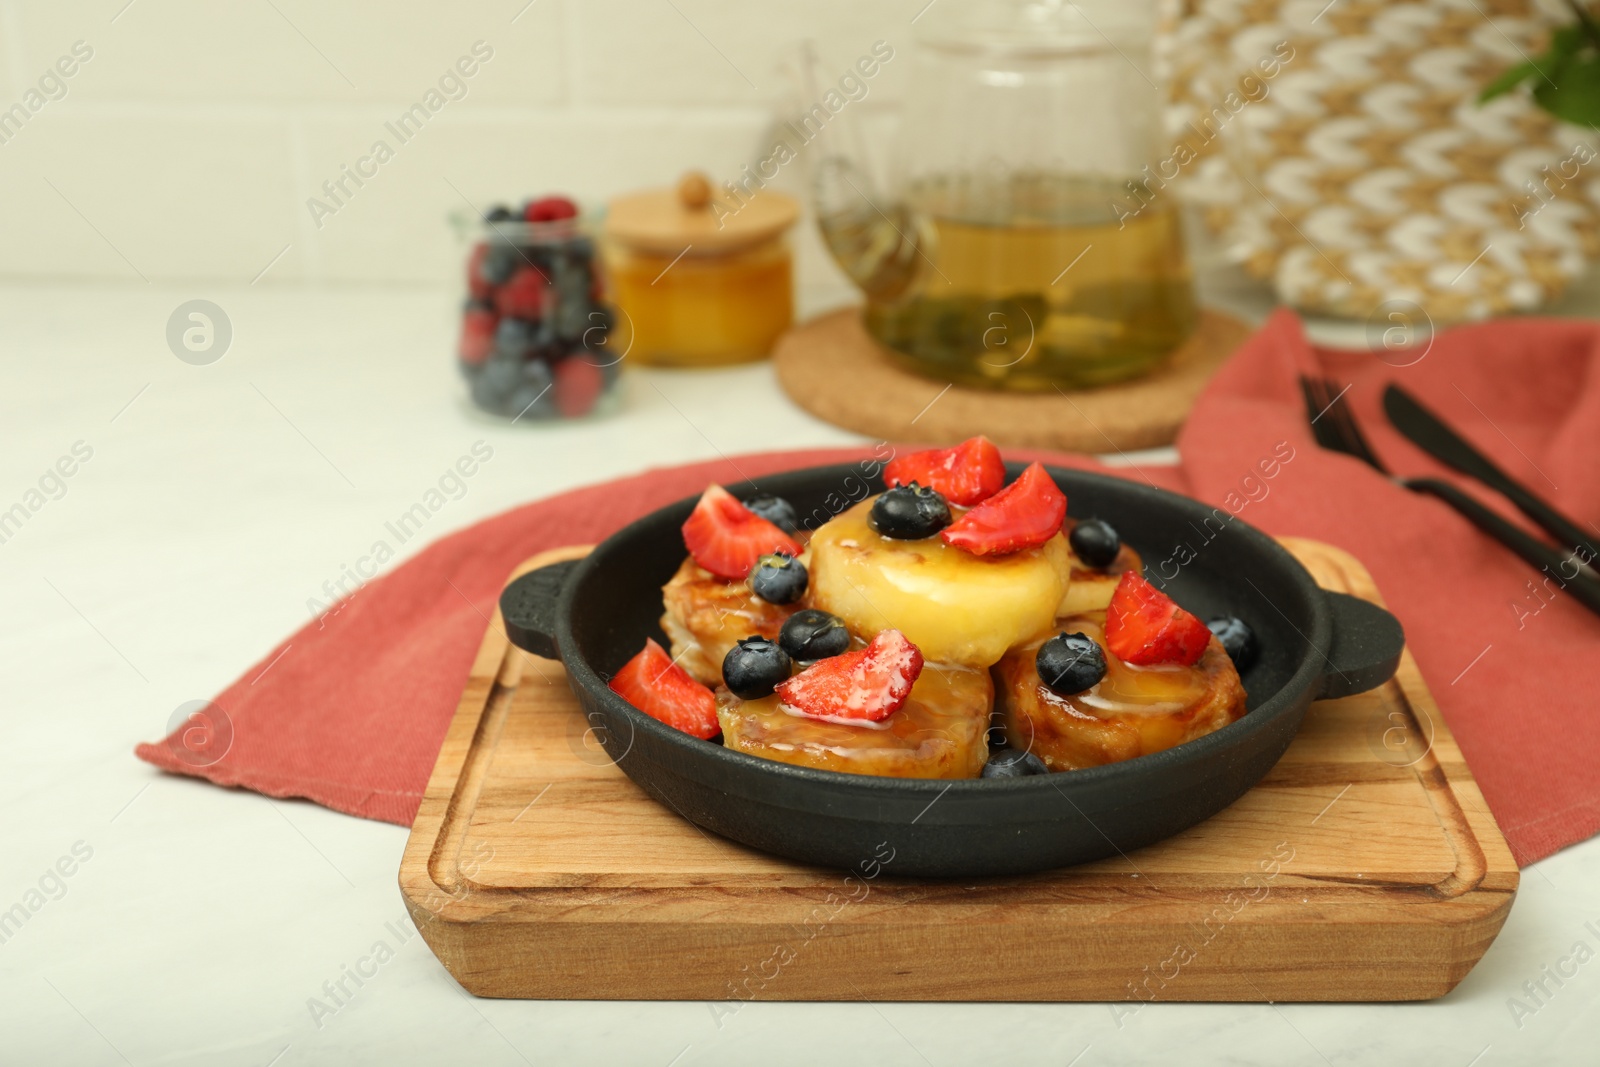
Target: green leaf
(1575, 96)
(1545, 71)
(1508, 81)
(1564, 44)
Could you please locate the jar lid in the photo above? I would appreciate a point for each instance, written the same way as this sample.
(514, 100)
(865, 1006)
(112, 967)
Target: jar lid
(668, 220)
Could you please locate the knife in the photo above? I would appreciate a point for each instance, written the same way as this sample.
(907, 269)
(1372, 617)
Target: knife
(1339, 432)
(1428, 432)
(1544, 557)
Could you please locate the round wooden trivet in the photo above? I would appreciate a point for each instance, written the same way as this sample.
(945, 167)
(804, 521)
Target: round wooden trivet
(834, 369)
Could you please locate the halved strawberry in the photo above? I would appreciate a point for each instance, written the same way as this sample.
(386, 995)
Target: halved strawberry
(966, 474)
(726, 538)
(869, 684)
(1145, 627)
(663, 690)
(1024, 514)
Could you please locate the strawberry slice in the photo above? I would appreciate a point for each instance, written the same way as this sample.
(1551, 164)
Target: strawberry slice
(664, 691)
(1024, 514)
(726, 538)
(869, 684)
(966, 474)
(1145, 627)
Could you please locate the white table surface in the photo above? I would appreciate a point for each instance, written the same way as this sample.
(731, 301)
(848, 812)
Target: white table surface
(217, 500)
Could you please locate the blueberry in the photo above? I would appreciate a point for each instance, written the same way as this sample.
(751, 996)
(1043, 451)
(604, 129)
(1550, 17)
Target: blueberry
(580, 250)
(499, 213)
(909, 513)
(495, 383)
(535, 397)
(1013, 763)
(514, 337)
(778, 578)
(540, 256)
(753, 667)
(596, 333)
(569, 275)
(530, 405)
(775, 510)
(1095, 542)
(498, 263)
(811, 634)
(544, 338)
(601, 321)
(1070, 663)
(1237, 639)
(573, 306)
(571, 318)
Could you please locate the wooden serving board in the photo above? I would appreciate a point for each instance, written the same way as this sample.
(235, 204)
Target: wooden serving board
(1365, 866)
(834, 369)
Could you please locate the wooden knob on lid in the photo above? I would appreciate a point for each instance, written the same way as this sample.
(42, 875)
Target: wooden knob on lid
(694, 215)
(694, 191)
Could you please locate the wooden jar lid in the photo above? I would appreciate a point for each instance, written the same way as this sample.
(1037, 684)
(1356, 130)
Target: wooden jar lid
(668, 220)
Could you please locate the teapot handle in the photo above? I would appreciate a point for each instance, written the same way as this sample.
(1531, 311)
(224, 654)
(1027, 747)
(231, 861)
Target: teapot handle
(884, 245)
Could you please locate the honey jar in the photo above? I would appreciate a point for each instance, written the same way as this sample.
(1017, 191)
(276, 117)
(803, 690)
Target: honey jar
(699, 280)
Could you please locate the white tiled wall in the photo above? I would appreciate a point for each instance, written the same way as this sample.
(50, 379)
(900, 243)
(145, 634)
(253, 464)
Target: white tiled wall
(187, 146)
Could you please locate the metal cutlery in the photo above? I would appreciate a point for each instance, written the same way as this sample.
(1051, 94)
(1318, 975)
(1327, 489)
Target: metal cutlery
(1430, 433)
(1336, 429)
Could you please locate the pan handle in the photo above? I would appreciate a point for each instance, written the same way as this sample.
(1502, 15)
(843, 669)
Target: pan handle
(528, 606)
(1367, 642)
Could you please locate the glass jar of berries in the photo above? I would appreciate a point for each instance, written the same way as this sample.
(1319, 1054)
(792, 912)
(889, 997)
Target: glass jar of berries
(537, 338)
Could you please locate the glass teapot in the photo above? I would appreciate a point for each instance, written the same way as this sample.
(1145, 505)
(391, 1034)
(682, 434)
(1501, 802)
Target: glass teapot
(1021, 243)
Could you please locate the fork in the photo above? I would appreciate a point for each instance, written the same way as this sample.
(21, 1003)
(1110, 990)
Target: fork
(1337, 430)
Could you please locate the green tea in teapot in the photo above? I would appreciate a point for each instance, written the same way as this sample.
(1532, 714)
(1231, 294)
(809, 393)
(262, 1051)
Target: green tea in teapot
(1022, 282)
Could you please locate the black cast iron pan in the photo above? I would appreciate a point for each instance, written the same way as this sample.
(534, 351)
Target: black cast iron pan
(595, 613)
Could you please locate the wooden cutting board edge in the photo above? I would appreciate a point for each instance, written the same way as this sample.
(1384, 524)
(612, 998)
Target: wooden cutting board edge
(555, 942)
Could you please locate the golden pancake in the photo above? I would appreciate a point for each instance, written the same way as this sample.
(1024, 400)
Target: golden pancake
(706, 615)
(940, 732)
(1091, 587)
(1132, 711)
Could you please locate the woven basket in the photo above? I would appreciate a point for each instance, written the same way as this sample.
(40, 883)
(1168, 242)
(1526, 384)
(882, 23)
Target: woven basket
(1340, 152)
